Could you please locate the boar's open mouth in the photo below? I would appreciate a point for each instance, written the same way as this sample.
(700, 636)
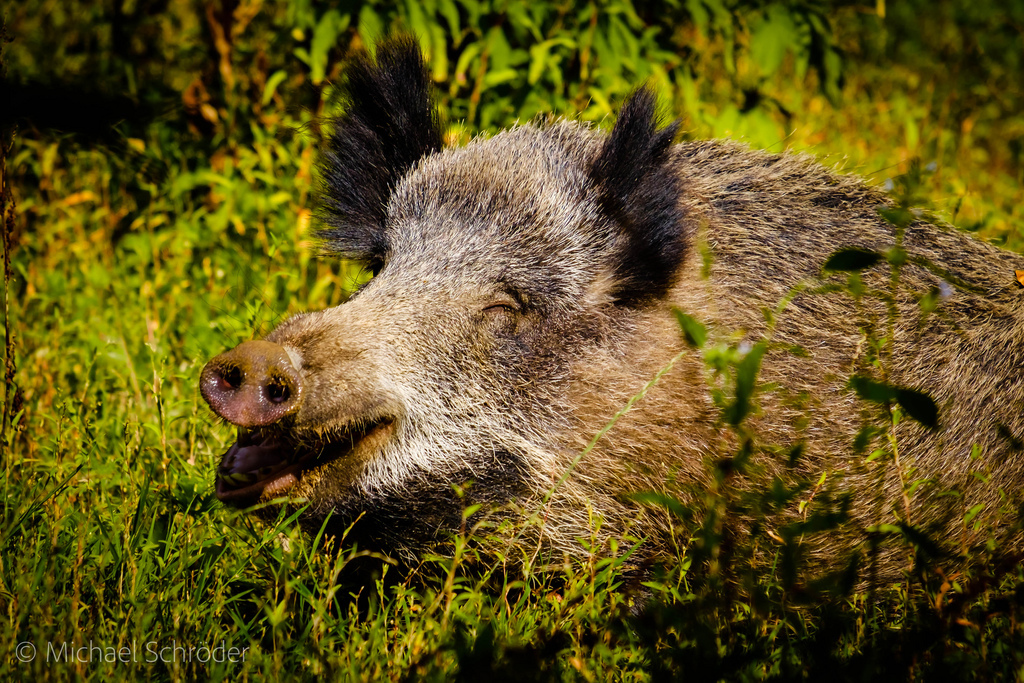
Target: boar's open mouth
(265, 464)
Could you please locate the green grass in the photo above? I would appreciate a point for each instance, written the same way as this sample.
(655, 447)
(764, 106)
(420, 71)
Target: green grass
(136, 257)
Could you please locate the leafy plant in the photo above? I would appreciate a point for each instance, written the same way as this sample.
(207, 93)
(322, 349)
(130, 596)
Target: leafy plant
(156, 194)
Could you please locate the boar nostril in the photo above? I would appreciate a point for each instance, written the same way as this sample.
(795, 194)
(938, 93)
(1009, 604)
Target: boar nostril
(232, 377)
(277, 392)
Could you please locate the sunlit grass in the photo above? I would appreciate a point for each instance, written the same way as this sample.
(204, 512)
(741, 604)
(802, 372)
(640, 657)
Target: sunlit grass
(132, 265)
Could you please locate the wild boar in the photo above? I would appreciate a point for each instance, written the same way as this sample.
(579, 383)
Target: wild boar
(525, 288)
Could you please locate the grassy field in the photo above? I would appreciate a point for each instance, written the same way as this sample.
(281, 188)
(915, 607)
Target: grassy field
(157, 211)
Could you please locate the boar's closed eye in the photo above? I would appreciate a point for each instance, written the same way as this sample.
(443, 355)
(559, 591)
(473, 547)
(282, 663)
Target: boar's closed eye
(502, 306)
(503, 302)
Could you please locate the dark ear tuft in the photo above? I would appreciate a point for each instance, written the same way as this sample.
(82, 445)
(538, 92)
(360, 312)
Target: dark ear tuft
(639, 190)
(389, 123)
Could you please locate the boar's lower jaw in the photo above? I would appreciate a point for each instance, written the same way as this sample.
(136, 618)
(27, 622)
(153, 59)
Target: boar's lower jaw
(262, 466)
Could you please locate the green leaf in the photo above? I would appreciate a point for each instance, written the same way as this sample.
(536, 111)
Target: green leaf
(916, 484)
(795, 453)
(302, 54)
(471, 510)
(973, 512)
(916, 404)
(540, 57)
(271, 87)
(325, 36)
(870, 390)
(499, 76)
(698, 15)
(798, 351)
(520, 18)
(896, 257)
(930, 300)
(439, 54)
(450, 13)
(371, 26)
(693, 330)
(418, 23)
(852, 259)
(898, 216)
(863, 438)
(538, 60)
(469, 54)
(919, 406)
(920, 540)
(772, 38)
(831, 71)
(500, 50)
(746, 377)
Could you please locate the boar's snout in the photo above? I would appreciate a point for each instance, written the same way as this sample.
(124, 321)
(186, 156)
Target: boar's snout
(253, 385)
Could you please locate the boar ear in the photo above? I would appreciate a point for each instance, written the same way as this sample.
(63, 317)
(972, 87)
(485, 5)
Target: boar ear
(639, 190)
(389, 123)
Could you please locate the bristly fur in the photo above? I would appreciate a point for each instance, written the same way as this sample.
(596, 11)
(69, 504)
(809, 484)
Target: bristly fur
(640, 191)
(388, 125)
(528, 297)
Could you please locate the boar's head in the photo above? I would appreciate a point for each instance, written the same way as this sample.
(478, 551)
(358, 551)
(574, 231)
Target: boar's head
(500, 269)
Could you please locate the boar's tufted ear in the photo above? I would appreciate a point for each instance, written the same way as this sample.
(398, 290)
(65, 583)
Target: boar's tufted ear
(639, 191)
(389, 123)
